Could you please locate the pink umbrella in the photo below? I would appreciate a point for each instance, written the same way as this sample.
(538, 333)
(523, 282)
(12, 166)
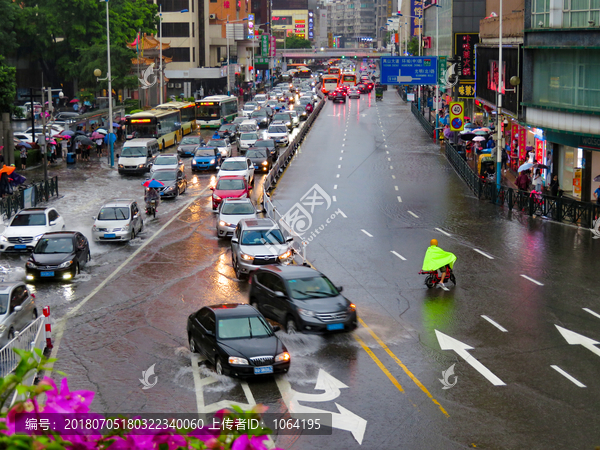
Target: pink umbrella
(479, 138)
(96, 135)
(52, 141)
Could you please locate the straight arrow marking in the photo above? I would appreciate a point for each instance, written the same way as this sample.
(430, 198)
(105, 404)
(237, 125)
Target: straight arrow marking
(449, 343)
(573, 338)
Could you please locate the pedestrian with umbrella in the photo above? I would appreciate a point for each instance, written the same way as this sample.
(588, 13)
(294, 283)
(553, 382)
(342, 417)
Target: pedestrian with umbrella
(152, 196)
(23, 156)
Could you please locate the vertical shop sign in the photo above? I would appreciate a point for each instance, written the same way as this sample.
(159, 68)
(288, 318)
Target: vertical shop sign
(577, 183)
(464, 45)
(540, 150)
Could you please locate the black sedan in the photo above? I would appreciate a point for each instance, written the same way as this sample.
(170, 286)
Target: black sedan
(270, 145)
(302, 299)
(237, 340)
(337, 95)
(261, 159)
(58, 256)
(174, 180)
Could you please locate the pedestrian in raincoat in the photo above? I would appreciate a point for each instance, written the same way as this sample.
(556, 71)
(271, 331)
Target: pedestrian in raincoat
(438, 259)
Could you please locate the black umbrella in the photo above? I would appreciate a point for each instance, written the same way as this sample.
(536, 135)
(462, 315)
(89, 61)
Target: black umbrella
(85, 140)
(79, 133)
(467, 135)
(597, 178)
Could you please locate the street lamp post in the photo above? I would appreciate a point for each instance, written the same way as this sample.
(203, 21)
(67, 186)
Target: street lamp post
(97, 73)
(499, 105)
(420, 45)
(437, 82)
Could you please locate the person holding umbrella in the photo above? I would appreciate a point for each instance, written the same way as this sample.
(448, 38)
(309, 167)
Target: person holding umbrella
(152, 194)
(23, 156)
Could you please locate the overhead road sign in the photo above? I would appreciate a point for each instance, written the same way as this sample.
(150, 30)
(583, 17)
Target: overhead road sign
(411, 70)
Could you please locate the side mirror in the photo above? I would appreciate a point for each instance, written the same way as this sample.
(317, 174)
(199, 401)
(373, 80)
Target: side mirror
(279, 294)
(52, 223)
(340, 288)
(234, 240)
(218, 167)
(276, 328)
(290, 239)
(117, 156)
(93, 217)
(18, 308)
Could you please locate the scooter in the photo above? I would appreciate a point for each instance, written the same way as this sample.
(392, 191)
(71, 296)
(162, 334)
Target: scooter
(433, 278)
(151, 208)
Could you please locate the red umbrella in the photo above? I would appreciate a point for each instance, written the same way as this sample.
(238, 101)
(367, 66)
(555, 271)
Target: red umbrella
(153, 183)
(75, 100)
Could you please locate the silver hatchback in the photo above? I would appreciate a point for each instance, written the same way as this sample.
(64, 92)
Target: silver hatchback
(231, 211)
(17, 310)
(118, 220)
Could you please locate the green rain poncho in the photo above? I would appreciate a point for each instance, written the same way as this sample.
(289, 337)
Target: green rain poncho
(436, 258)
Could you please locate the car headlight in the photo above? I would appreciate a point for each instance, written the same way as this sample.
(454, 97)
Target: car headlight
(286, 255)
(306, 312)
(216, 197)
(351, 307)
(194, 162)
(237, 361)
(212, 161)
(38, 237)
(30, 265)
(247, 257)
(65, 264)
(170, 188)
(125, 227)
(3, 239)
(141, 166)
(120, 166)
(265, 163)
(282, 357)
(224, 224)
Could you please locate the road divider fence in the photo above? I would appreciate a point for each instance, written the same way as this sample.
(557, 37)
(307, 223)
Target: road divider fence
(28, 197)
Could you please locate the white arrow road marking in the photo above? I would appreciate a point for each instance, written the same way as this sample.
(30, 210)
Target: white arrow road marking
(483, 253)
(396, 187)
(568, 377)
(335, 186)
(344, 420)
(593, 313)
(496, 324)
(573, 338)
(532, 280)
(367, 233)
(334, 198)
(449, 343)
(443, 232)
(398, 255)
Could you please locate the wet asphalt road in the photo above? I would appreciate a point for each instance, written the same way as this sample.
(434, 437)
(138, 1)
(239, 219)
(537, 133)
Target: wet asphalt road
(390, 191)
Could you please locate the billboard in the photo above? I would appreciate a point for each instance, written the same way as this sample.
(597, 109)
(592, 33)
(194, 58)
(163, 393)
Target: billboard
(288, 4)
(416, 22)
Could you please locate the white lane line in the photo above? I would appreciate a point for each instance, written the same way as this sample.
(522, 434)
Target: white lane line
(398, 255)
(443, 232)
(367, 233)
(344, 139)
(572, 379)
(386, 152)
(342, 151)
(335, 186)
(394, 177)
(496, 324)
(338, 175)
(341, 158)
(339, 166)
(413, 214)
(385, 145)
(483, 253)
(532, 280)
(334, 198)
(342, 213)
(399, 199)
(593, 313)
(389, 159)
(396, 187)
(343, 145)
(391, 167)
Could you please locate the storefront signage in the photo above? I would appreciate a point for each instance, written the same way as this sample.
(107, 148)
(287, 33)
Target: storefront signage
(282, 20)
(540, 150)
(577, 183)
(264, 45)
(272, 46)
(523, 141)
(464, 46)
(466, 90)
(573, 140)
(311, 24)
(416, 8)
(493, 76)
(441, 68)
(457, 116)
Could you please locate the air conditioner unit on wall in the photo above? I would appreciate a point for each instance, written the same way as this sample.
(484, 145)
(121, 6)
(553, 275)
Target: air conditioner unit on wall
(212, 16)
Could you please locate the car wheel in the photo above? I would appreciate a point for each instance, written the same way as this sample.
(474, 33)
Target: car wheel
(132, 237)
(218, 367)
(193, 348)
(290, 325)
(34, 315)
(238, 273)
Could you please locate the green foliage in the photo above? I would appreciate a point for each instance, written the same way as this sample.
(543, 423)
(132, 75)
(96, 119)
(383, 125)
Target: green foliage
(34, 156)
(8, 86)
(9, 11)
(294, 42)
(413, 46)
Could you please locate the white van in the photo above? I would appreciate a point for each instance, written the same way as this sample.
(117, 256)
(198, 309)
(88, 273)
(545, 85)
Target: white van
(138, 155)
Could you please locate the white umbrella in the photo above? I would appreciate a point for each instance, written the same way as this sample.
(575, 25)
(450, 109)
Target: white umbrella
(525, 166)
(101, 131)
(479, 138)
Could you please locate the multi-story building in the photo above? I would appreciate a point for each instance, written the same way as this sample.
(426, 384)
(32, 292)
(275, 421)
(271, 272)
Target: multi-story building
(290, 18)
(353, 21)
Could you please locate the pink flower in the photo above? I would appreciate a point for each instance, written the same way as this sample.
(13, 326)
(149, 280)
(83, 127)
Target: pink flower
(244, 442)
(65, 401)
(204, 433)
(132, 442)
(173, 440)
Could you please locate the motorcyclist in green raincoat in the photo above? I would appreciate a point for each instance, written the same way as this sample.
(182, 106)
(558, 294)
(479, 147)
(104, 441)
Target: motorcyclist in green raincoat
(438, 259)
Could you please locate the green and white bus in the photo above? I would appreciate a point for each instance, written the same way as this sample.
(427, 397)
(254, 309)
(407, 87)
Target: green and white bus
(214, 111)
(162, 125)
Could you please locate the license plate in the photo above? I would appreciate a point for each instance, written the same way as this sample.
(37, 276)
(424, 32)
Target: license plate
(256, 167)
(46, 274)
(110, 235)
(335, 326)
(263, 370)
(20, 247)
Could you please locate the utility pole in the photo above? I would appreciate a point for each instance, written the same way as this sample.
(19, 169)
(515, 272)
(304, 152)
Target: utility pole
(499, 107)
(44, 141)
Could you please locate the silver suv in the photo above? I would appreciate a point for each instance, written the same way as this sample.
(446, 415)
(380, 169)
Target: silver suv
(17, 310)
(117, 220)
(231, 211)
(258, 242)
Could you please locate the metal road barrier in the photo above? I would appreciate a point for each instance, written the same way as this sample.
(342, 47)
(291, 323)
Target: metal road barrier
(424, 122)
(298, 244)
(28, 197)
(560, 209)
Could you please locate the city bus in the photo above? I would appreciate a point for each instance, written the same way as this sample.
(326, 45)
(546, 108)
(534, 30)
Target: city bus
(303, 72)
(188, 114)
(162, 125)
(347, 79)
(330, 83)
(334, 71)
(213, 111)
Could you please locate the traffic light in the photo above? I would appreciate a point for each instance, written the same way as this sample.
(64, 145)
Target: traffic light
(343, 57)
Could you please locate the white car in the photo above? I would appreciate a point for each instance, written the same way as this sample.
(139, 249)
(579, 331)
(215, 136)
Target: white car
(237, 166)
(167, 161)
(27, 227)
(52, 130)
(223, 145)
(247, 140)
(231, 211)
(249, 108)
(278, 131)
(248, 126)
(25, 137)
(260, 99)
(295, 118)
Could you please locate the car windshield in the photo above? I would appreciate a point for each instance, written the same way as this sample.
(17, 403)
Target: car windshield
(3, 303)
(234, 165)
(249, 107)
(205, 152)
(29, 220)
(293, 113)
(278, 129)
(259, 112)
(228, 127)
(190, 140)
(262, 237)
(114, 213)
(230, 185)
(133, 152)
(164, 176)
(243, 328)
(284, 117)
(235, 209)
(312, 287)
(268, 143)
(54, 245)
(248, 136)
(256, 154)
(216, 143)
(165, 160)
(248, 127)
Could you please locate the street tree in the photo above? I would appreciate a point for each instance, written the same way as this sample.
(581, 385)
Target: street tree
(8, 86)
(296, 42)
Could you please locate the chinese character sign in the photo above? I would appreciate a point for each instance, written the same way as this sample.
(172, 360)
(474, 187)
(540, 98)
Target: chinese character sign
(416, 7)
(465, 47)
(264, 44)
(540, 150)
(493, 76)
(523, 140)
(466, 90)
(273, 46)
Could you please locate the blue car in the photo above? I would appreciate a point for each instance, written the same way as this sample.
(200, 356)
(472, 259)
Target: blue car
(206, 158)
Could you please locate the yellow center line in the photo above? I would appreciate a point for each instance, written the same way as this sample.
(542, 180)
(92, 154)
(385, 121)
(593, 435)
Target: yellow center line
(379, 363)
(401, 364)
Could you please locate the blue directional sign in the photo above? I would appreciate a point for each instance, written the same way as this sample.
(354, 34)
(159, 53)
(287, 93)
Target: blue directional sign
(412, 70)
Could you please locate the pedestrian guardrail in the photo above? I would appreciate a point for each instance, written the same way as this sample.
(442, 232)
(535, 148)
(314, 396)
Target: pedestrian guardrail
(428, 127)
(560, 209)
(298, 244)
(31, 196)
